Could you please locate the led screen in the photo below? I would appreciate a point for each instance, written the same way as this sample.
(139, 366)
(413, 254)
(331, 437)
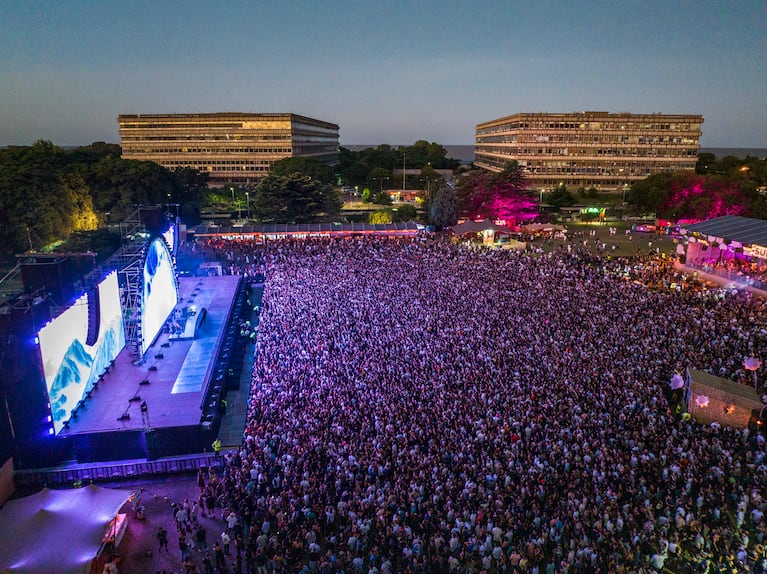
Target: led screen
(160, 293)
(71, 366)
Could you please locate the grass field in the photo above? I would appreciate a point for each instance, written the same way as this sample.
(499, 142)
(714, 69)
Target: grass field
(625, 245)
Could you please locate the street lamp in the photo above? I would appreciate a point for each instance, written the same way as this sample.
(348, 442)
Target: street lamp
(247, 199)
(404, 173)
(380, 183)
(428, 181)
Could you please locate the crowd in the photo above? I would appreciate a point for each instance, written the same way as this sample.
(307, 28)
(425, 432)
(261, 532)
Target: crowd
(417, 406)
(748, 270)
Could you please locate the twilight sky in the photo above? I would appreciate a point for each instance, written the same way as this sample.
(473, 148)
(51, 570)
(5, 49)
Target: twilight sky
(387, 71)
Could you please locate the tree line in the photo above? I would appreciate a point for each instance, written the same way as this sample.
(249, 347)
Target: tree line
(727, 186)
(49, 194)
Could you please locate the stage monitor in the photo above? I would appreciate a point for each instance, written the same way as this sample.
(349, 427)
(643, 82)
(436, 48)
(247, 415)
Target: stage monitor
(70, 365)
(160, 291)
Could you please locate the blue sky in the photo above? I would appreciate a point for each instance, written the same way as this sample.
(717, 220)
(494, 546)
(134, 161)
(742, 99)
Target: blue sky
(386, 72)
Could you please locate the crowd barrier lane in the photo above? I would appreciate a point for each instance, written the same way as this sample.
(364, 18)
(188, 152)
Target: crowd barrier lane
(78, 474)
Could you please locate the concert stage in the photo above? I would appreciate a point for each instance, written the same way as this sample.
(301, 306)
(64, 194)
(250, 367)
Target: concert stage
(157, 407)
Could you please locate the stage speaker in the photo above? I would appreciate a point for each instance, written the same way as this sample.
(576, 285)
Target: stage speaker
(94, 317)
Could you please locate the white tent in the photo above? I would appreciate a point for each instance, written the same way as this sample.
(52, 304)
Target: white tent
(56, 531)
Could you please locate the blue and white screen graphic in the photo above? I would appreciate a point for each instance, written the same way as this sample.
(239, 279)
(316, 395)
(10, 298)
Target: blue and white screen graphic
(160, 293)
(71, 366)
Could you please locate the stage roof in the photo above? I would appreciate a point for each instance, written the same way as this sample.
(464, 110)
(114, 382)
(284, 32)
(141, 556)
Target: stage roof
(57, 531)
(745, 230)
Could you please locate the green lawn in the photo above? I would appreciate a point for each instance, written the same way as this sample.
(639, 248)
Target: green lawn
(625, 245)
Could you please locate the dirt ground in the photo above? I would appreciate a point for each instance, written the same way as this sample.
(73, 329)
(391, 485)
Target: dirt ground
(138, 552)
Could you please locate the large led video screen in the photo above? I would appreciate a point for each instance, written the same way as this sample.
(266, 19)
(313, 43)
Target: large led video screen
(160, 292)
(70, 364)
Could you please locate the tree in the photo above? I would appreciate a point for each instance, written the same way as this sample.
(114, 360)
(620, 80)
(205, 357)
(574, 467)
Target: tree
(706, 163)
(650, 194)
(692, 196)
(194, 193)
(504, 195)
(293, 199)
(443, 210)
(560, 197)
(382, 198)
(406, 212)
(380, 216)
(319, 172)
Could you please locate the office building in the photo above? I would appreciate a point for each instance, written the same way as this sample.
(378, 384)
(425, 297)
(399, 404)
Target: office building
(598, 150)
(231, 147)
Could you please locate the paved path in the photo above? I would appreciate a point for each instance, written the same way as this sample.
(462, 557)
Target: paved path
(234, 421)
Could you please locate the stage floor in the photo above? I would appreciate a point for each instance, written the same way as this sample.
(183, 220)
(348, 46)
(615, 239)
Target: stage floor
(174, 392)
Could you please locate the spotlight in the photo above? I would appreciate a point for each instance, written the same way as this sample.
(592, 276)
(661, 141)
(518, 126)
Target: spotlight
(144, 382)
(153, 368)
(135, 398)
(124, 417)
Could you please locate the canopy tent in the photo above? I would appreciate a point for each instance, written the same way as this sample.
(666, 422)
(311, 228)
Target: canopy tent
(479, 226)
(57, 531)
(731, 228)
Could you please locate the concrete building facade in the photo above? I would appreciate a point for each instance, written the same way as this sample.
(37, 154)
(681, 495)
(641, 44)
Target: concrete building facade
(602, 150)
(231, 147)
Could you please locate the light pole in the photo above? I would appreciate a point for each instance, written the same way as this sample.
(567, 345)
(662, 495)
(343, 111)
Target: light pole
(404, 172)
(380, 182)
(247, 199)
(428, 181)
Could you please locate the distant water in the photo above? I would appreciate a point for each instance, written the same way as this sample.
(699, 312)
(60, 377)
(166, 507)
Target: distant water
(739, 152)
(465, 153)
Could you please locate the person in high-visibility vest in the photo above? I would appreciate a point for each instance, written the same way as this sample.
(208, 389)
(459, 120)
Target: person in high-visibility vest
(217, 446)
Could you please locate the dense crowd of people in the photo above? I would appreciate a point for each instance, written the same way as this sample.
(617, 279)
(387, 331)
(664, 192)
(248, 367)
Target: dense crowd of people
(420, 406)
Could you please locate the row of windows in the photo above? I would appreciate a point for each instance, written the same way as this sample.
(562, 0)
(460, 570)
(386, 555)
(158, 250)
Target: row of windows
(603, 184)
(633, 172)
(219, 164)
(208, 150)
(204, 137)
(587, 152)
(189, 126)
(583, 139)
(623, 169)
(594, 126)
